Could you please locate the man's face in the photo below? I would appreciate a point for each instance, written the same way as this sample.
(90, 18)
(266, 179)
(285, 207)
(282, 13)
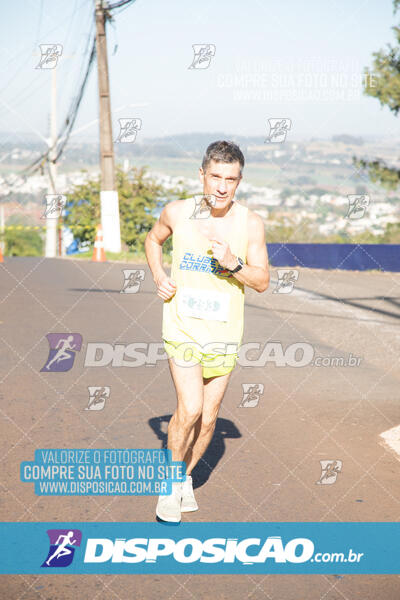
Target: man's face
(221, 180)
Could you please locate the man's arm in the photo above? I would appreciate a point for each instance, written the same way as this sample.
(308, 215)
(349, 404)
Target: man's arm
(154, 241)
(255, 273)
(160, 232)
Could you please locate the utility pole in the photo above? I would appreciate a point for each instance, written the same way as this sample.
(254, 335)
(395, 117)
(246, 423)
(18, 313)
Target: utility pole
(2, 228)
(109, 204)
(51, 221)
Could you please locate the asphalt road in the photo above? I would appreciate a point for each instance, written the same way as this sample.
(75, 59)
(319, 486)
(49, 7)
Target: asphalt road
(264, 460)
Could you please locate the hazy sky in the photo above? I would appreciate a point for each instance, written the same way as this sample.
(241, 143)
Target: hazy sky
(300, 60)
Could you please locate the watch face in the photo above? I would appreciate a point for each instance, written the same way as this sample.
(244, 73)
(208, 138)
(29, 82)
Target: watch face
(239, 266)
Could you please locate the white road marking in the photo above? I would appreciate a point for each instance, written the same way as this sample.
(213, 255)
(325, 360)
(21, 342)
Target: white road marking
(391, 440)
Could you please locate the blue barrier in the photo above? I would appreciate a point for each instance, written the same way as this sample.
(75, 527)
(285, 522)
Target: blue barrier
(350, 257)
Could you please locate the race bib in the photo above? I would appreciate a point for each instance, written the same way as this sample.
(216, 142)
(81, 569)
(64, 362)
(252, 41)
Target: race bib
(204, 304)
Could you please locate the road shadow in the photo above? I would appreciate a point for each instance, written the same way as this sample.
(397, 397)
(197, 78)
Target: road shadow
(354, 302)
(113, 291)
(357, 304)
(224, 428)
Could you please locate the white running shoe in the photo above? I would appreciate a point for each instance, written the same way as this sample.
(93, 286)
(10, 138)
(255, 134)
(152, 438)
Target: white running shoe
(188, 503)
(169, 507)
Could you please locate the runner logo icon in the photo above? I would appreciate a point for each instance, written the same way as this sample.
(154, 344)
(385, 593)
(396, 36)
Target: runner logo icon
(62, 351)
(61, 551)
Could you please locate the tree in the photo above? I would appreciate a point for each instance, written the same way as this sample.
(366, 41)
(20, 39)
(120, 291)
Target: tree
(285, 230)
(140, 198)
(23, 243)
(383, 83)
(21, 237)
(285, 193)
(391, 235)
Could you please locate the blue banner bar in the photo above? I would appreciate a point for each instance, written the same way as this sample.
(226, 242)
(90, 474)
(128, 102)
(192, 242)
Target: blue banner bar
(350, 257)
(204, 548)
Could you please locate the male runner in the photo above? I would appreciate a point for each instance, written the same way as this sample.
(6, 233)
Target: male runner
(213, 258)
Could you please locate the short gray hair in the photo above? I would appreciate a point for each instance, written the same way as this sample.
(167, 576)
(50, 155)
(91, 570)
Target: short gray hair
(222, 151)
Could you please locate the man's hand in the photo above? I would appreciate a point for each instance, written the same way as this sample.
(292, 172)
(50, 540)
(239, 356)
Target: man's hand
(166, 287)
(223, 254)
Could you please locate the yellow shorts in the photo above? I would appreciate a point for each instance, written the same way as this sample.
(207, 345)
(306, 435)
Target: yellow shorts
(188, 354)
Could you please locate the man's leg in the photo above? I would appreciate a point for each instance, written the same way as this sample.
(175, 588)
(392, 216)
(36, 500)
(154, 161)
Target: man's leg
(188, 383)
(194, 434)
(214, 390)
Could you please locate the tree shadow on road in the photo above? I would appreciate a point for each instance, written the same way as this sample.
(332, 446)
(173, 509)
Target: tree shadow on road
(224, 428)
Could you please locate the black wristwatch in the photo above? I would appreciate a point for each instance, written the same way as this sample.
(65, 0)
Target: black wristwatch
(239, 266)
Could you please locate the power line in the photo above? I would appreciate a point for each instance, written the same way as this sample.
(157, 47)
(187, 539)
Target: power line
(39, 27)
(69, 120)
(119, 4)
(23, 53)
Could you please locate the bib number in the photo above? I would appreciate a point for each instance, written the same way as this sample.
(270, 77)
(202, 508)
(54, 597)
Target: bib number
(204, 304)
